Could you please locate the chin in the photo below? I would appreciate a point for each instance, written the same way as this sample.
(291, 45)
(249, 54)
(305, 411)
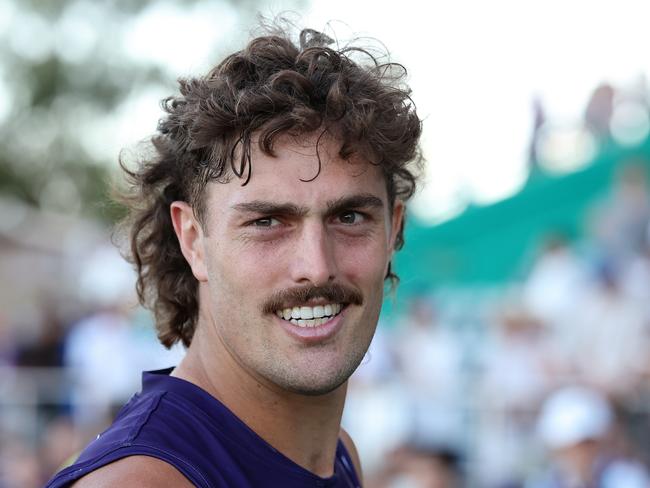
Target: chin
(317, 389)
(320, 382)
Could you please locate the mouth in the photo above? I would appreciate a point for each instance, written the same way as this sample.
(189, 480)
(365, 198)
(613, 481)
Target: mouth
(310, 316)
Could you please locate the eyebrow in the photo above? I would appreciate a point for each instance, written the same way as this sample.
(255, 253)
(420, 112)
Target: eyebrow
(269, 208)
(262, 207)
(364, 200)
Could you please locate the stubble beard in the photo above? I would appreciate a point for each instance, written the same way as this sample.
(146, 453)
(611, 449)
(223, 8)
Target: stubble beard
(311, 379)
(307, 376)
(314, 382)
(313, 370)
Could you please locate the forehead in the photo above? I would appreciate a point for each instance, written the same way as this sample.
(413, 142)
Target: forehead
(301, 172)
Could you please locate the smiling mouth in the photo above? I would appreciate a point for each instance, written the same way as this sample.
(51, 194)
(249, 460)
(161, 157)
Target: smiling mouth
(306, 316)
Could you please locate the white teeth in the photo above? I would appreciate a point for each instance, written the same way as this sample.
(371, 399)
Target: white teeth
(306, 313)
(319, 311)
(309, 316)
(309, 323)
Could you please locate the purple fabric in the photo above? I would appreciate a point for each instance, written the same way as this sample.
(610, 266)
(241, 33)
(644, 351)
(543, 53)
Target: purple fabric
(183, 425)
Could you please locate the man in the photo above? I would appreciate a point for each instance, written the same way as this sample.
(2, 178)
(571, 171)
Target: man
(576, 424)
(262, 230)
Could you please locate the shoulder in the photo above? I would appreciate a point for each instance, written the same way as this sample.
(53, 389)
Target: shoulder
(141, 471)
(352, 451)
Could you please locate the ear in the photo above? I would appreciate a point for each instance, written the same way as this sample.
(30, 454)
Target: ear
(190, 238)
(397, 220)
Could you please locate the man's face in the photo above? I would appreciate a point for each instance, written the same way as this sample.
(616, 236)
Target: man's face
(292, 271)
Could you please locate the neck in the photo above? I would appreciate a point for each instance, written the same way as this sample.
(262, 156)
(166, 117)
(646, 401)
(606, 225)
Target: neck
(303, 428)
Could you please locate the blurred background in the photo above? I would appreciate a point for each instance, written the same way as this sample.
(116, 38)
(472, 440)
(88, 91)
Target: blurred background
(514, 351)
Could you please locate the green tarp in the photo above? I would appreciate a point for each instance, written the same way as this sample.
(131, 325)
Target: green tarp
(491, 245)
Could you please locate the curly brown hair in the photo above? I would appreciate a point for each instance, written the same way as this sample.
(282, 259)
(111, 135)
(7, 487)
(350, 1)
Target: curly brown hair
(270, 88)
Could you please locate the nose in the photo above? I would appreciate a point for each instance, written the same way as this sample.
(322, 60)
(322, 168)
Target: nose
(313, 260)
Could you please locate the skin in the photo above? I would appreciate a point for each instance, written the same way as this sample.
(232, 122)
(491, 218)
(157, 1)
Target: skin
(578, 460)
(141, 471)
(275, 234)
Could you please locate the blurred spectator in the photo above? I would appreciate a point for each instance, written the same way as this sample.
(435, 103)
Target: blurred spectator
(555, 280)
(19, 465)
(620, 223)
(379, 363)
(100, 359)
(539, 118)
(417, 369)
(635, 277)
(554, 286)
(600, 108)
(575, 425)
(60, 441)
(7, 342)
(429, 359)
(376, 430)
(100, 353)
(46, 349)
(518, 370)
(518, 363)
(419, 466)
(613, 328)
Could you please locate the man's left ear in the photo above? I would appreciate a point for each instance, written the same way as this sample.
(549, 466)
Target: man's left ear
(397, 221)
(190, 237)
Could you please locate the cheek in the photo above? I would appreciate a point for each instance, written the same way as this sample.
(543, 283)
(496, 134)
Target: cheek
(363, 263)
(227, 277)
(238, 270)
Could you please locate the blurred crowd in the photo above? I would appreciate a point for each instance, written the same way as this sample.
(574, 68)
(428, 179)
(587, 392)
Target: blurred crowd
(63, 377)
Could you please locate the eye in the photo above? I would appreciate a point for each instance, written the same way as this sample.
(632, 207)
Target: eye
(350, 217)
(265, 222)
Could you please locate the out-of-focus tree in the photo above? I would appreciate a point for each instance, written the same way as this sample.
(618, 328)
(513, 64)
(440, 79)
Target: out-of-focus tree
(71, 74)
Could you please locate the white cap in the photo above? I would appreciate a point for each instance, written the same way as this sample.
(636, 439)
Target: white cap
(572, 415)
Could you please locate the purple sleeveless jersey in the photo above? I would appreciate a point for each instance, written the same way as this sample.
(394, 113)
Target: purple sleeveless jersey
(183, 425)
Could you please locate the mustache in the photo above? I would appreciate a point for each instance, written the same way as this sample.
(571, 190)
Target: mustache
(293, 297)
